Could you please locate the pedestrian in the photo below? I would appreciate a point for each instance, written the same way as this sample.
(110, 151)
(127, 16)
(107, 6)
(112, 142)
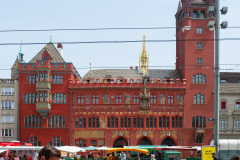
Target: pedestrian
(49, 153)
(24, 157)
(153, 157)
(235, 157)
(124, 156)
(214, 156)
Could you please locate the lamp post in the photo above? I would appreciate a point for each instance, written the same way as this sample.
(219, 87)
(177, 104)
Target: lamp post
(216, 73)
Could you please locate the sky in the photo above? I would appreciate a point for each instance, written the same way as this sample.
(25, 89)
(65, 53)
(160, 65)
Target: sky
(72, 14)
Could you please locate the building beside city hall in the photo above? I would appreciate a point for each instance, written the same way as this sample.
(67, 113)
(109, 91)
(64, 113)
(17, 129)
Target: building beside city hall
(119, 107)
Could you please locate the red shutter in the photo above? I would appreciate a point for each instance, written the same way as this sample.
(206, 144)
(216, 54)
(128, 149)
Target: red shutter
(223, 105)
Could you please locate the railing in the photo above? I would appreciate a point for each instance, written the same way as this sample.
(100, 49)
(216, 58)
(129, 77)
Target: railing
(6, 81)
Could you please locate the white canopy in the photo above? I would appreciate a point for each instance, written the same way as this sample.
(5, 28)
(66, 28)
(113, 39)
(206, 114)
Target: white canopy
(71, 149)
(103, 148)
(36, 148)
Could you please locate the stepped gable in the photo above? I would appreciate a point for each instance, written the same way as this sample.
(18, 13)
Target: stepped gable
(131, 74)
(51, 49)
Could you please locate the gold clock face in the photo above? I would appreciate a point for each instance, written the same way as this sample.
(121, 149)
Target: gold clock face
(144, 104)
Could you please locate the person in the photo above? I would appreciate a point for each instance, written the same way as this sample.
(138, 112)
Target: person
(235, 157)
(153, 157)
(24, 157)
(214, 156)
(124, 156)
(34, 155)
(49, 153)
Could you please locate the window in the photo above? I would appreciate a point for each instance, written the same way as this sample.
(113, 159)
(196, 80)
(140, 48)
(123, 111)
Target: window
(153, 99)
(94, 142)
(129, 122)
(80, 99)
(125, 122)
(138, 122)
(199, 30)
(84, 143)
(119, 98)
(76, 143)
(199, 78)
(121, 122)
(198, 121)
(170, 99)
(135, 98)
(7, 105)
(80, 143)
(57, 79)
(237, 105)
(7, 132)
(223, 105)
(160, 122)
(173, 122)
(76, 122)
(237, 124)
(34, 141)
(57, 98)
(199, 61)
(199, 99)
(164, 122)
(223, 80)
(7, 118)
(202, 15)
(194, 14)
(31, 79)
(180, 122)
(147, 122)
(95, 99)
(7, 91)
(56, 141)
(116, 122)
(57, 121)
(199, 138)
(199, 45)
(222, 124)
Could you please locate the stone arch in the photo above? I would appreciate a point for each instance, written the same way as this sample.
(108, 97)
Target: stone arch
(195, 14)
(120, 142)
(168, 141)
(144, 141)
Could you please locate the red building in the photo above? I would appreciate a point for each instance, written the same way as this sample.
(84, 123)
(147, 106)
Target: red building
(44, 109)
(116, 107)
(195, 62)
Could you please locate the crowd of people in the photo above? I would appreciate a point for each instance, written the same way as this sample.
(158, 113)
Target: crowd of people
(51, 153)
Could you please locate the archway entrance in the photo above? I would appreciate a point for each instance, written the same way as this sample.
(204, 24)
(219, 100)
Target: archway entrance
(168, 141)
(120, 142)
(144, 141)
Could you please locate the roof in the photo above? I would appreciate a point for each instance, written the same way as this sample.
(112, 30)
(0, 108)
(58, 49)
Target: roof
(131, 74)
(51, 49)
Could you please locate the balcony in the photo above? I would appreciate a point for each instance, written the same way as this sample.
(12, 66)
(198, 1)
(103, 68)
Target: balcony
(43, 85)
(236, 112)
(43, 108)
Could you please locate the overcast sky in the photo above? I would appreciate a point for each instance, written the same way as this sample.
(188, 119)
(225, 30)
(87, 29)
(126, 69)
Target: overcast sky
(54, 14)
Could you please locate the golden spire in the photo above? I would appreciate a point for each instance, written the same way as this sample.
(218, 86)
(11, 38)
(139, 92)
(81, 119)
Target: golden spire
(143, 61)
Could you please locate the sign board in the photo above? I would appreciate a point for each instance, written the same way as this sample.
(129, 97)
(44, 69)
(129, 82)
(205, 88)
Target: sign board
(207, 152)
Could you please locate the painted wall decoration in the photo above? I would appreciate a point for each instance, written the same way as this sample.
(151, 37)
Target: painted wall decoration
(127, 98)
(87, 99)
(179, 99)
(103, 122)
(107, 99)
(162, 99)
(89, 134)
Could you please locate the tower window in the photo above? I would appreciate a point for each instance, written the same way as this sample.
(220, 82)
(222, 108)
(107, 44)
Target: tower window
(199, 61)
(194, 15)
(199, 30)
(199, 45)
(202, 14)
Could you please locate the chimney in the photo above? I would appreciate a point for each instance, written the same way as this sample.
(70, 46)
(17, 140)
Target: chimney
(60, 48)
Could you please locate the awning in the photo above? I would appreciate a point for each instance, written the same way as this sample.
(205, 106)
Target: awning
(91, 148)
(144, 151)
(71, 149)
(36, 148)
(103, 148)
(148, 147)
(177, 148)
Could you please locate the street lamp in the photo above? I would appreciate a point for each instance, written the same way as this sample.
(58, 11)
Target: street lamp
(211, 10)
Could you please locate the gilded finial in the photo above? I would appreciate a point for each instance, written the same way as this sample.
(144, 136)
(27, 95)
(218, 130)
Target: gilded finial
(50, 38)
(20, 55)
(144, 59)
